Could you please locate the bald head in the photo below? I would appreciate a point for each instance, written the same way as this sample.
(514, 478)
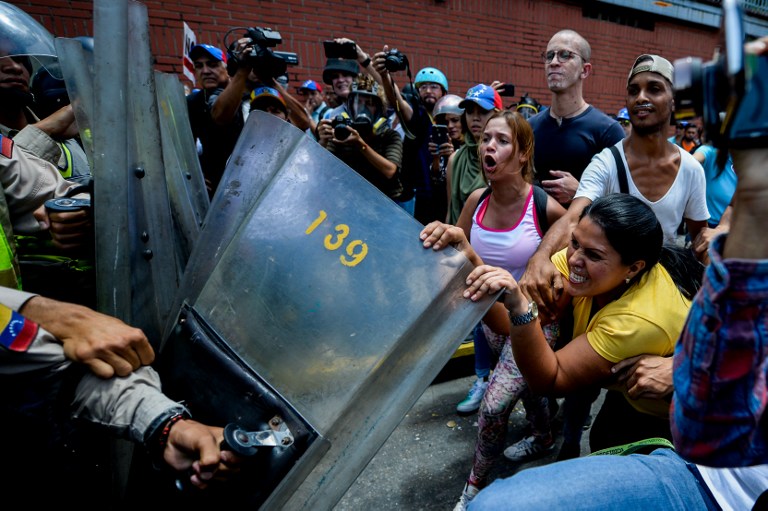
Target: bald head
(580, 44)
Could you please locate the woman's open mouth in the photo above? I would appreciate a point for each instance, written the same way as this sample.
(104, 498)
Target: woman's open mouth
(489, 163)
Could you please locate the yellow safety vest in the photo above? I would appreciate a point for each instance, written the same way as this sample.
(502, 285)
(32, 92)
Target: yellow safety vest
(67, 171)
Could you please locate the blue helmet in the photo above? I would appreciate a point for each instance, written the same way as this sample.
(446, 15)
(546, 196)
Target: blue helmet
(431, 74)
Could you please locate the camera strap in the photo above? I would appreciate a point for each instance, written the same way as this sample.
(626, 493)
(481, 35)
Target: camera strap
(399, 114)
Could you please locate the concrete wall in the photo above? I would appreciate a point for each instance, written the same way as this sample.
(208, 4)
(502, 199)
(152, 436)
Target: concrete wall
(472, 41)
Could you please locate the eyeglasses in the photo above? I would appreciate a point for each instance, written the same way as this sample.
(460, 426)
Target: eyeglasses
(562, 56)
(429, 86)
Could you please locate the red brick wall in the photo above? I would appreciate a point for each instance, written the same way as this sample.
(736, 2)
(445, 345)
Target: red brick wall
(472, 41)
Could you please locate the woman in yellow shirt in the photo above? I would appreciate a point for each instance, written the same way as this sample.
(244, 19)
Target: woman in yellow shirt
(630, 296)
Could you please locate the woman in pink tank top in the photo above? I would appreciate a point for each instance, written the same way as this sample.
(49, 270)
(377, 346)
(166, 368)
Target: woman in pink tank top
(502, 227)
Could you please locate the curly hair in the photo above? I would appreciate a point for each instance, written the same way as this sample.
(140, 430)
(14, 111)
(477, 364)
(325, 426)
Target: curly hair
(365, 83)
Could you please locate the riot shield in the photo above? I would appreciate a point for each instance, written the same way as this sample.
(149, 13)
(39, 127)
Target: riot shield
(77, 70)
(309, 307)
(184, 177)
(134, 227)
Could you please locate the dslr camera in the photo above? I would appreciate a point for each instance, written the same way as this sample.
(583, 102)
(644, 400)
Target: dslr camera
(339, 124)
(395, 61)
(728, 91)
(265, 62)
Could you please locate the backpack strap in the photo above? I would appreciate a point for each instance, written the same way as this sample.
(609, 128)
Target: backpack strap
(621, 171)
(485, 194)
(540, 198)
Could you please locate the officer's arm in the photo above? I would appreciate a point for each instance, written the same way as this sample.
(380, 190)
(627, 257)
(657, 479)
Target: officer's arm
(104, 343)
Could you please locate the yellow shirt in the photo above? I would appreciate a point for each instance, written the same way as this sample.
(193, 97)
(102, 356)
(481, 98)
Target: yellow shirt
(647, 319)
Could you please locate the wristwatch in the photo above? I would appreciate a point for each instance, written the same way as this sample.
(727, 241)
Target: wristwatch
(524, 319)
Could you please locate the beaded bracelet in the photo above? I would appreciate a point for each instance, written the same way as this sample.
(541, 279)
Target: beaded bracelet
(162, 439)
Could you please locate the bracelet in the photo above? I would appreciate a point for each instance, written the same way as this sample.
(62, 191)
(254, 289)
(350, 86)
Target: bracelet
(364, 148)
(162, 439)
(366, 62)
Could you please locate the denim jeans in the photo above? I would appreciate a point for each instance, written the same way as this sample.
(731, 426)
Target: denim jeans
(660, 480)
(482, 353)
(409, 205)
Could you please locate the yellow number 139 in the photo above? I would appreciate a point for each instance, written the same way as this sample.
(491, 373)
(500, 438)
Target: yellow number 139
(356, 249)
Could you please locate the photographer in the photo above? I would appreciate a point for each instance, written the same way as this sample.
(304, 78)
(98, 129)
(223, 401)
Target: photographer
(362, 140)
(218, 112)
(340, 72)
(218, 94)
(416, 117)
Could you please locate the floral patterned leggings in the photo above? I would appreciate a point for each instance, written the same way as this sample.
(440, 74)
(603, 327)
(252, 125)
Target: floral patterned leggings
(506, 386)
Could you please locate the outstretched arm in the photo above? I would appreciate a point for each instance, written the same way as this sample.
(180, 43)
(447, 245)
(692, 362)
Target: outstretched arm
(541, 280)
(570, 368)
(403, 108)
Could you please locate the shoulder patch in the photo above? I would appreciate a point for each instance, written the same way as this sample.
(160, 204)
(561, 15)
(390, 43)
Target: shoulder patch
(6, 146)
(17, 332)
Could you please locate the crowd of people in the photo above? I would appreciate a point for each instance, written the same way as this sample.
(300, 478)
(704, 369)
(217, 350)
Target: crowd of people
(625, 257)
(605, 239)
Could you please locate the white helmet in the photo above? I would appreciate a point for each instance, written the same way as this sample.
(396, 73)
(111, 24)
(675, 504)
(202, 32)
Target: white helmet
(448, 104)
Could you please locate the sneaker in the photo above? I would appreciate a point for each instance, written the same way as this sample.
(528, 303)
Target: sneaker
(471, 403)
(466, 496)
(528, 447)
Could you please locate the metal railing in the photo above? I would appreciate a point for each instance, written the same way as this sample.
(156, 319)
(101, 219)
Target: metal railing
(753, 7)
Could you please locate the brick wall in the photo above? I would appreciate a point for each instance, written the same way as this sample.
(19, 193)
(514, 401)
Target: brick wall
(471, 41)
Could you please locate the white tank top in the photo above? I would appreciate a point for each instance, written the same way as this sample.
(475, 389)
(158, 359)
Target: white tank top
(507, 248)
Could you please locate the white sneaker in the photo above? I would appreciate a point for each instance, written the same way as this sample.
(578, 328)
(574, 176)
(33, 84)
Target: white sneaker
(466, 496)
(529, 447)
(471, 403)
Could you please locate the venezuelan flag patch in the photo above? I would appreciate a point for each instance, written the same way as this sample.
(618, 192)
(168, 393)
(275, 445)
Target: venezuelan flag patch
(6, 146)
(18, 332)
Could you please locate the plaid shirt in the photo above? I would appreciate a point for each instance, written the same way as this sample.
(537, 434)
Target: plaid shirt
(721, 366)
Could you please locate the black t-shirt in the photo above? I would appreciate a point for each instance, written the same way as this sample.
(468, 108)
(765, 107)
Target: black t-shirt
(571, 145)
(217, 141)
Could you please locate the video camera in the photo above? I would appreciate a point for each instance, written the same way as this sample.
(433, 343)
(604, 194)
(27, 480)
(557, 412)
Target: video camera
(727, 92)
(265, 62)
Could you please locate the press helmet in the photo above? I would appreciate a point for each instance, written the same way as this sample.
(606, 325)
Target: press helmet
(448, 104)
(431, 74)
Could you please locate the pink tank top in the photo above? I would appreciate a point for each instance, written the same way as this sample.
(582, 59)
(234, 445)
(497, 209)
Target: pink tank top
(507, 248)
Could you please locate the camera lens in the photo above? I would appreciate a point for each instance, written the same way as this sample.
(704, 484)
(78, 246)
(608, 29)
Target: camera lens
(394, 61)
(341, 132)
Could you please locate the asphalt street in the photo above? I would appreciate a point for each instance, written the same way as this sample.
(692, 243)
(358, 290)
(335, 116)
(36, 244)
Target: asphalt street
(425, 462)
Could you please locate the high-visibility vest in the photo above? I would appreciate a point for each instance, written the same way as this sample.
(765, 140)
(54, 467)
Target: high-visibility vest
(67, 171)
(9, 266)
